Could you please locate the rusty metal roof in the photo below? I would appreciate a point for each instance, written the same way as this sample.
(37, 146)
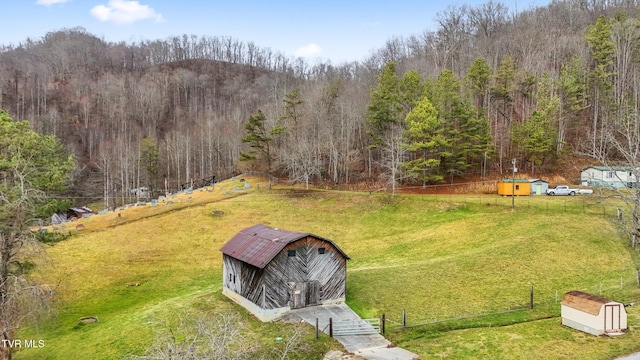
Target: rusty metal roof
(583, 301)
(259, 244)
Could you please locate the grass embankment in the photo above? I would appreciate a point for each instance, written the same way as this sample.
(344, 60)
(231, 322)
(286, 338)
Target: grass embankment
(438, 259)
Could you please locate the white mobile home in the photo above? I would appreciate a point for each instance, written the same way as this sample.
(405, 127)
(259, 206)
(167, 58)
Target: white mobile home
(608, 176)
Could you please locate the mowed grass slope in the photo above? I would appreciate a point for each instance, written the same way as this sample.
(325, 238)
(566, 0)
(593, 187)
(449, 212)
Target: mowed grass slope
(436, 259)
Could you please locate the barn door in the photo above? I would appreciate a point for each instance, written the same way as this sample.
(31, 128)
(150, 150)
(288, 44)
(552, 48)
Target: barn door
(304, 294)
(313, 293)
(298, 295)
(612, 318)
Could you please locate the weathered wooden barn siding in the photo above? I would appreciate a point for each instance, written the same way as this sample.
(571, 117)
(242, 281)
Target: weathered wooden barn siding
(306, 272)
(231, 273)
(329, 269)
(269, 270)
(248, 279)
(253, 280)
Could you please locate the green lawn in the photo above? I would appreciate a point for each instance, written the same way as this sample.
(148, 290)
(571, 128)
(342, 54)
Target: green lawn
(451, 258)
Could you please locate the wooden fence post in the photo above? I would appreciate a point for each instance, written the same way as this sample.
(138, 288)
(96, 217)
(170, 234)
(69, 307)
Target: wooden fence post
(383, 321)
(330, 327)
(531, 298)
(404, 318)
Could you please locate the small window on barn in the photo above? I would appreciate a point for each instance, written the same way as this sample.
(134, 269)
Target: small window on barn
(291, 253)
(321, 250)
(609, 174)
(517, 187)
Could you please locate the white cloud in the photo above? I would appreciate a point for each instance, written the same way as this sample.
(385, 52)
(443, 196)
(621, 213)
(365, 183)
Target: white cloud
(124, 12)
(50, 2)
(309, 50)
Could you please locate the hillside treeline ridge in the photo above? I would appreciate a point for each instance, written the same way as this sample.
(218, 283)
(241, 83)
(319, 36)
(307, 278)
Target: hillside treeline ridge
(487, 86)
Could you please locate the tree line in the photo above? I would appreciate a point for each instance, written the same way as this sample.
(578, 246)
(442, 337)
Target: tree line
(488, 85)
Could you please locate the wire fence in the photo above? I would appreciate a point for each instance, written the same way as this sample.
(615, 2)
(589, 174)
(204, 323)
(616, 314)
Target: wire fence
(539, 304)
(579, 204)
(601, 201)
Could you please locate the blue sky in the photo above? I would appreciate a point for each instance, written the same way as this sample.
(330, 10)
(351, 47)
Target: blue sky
(329, 30)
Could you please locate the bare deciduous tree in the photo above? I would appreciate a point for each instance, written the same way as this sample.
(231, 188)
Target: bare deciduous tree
(623, 137)
(393, 151)
(301, 163)
(216, 337)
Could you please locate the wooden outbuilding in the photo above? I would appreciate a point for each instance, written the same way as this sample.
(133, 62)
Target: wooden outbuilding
(518, 187)
(593, 314)
(270, 271)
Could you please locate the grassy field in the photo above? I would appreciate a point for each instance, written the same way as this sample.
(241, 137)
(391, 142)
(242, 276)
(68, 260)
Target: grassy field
(462, 267)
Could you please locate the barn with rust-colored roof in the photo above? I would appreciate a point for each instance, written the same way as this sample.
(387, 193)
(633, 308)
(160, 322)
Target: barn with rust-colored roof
(593, 314)
(270, 271)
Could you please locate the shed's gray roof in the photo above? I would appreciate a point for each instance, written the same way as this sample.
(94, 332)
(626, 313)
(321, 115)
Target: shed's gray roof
(610, 168)
(259, 244)
(537, 180)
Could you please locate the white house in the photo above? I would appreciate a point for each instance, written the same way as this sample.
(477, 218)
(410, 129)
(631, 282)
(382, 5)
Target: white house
(608, 176)
(593, 314)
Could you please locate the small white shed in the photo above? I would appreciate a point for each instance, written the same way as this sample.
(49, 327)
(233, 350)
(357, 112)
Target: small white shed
(593, 314)
(539, 186)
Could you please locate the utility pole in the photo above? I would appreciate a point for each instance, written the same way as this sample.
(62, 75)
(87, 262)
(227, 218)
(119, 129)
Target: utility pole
(484, 166)
(513, 184)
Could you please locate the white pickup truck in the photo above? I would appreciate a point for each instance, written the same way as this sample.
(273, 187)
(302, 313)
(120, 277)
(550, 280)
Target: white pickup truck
(562, 190)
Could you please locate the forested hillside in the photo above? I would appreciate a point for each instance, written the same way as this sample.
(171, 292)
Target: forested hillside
(487, 86)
